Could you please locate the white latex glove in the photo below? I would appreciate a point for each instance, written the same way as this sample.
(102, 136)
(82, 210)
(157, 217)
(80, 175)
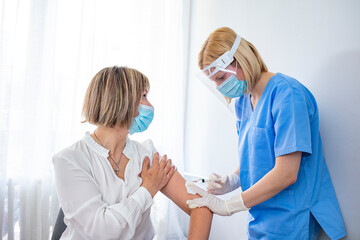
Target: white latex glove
(221, 185)
(215, 204)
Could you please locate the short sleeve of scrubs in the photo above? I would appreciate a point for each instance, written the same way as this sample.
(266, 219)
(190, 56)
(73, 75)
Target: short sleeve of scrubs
(291, 121)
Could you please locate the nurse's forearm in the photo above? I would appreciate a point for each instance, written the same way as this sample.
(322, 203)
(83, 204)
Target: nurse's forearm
(280, 177)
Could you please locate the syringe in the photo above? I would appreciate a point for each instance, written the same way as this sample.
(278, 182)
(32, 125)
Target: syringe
(203, 180)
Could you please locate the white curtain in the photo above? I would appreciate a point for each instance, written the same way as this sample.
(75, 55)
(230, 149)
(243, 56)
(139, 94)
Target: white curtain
(49, 51)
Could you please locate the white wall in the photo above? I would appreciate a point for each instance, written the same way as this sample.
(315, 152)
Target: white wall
(318, 43)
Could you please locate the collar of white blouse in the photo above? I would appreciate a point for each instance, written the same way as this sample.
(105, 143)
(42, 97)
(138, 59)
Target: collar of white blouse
(128, 150)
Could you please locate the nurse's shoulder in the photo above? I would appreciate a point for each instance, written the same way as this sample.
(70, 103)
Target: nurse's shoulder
(286, 88)
(284, 82)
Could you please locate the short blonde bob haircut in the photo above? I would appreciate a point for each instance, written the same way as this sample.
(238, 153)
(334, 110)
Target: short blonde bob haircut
(220, 41)
(113, 97)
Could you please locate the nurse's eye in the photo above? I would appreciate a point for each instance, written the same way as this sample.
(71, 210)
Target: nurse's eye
(222, 77)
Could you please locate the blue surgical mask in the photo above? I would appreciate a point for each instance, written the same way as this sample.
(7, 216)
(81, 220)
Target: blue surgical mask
(143, 120)
(232, 87)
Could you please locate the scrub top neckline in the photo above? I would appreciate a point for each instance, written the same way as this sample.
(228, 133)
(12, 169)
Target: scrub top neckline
(261, 99)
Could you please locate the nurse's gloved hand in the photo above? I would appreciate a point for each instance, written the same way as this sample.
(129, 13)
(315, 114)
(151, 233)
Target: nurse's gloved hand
(215, 204)
(221, 185)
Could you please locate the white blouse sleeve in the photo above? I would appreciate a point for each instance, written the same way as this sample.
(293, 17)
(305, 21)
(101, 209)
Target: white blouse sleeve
(149, 145)
(86, 211)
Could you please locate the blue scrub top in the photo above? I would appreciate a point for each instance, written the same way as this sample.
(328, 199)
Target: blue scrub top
(286, 120)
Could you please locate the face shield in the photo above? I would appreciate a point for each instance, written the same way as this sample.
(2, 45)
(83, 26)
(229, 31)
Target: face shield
(210, 86)
(223, 61)
(220, 64)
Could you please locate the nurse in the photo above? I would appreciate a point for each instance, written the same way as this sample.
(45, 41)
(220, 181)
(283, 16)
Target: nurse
(283, 175)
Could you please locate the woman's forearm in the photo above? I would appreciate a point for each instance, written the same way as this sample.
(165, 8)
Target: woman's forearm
(200, 218)
(200, 223)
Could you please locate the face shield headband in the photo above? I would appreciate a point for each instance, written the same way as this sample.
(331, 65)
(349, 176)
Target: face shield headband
(223, 61)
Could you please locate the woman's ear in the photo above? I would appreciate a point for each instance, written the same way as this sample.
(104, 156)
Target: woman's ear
(136, 112)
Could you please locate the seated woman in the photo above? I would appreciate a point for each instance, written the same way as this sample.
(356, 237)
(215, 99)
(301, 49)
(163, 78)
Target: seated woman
(104, 183)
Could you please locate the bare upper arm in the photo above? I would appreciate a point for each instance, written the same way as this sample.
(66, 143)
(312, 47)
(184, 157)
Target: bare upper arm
(237, 171)
(175, 190)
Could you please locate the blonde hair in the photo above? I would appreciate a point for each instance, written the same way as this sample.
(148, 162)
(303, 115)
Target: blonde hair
(113, 96)
(249, 59)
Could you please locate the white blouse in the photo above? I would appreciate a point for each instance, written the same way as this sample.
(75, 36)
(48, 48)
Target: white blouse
(97, 204)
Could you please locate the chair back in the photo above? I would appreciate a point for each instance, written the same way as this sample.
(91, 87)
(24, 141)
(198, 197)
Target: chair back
(59, 227)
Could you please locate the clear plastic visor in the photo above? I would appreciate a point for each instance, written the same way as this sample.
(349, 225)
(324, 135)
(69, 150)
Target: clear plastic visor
(222, 62)
(211, 85)
(219, 64)
(224, 73)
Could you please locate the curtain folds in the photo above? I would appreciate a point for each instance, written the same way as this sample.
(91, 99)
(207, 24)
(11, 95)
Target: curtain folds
(49, 51)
